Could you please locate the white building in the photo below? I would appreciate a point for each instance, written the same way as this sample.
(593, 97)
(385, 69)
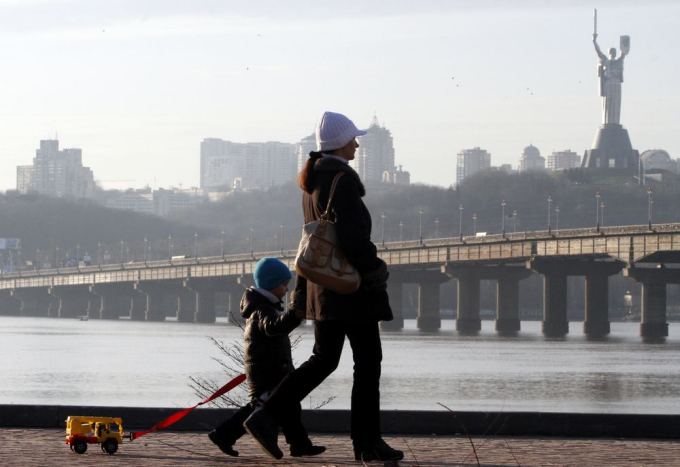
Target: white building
(56, 172)
(303, 148)
(531, 159)
(160, 202)
(563, 160)
(227, 166)
(131, 200)
(375, 155)
(470, 161)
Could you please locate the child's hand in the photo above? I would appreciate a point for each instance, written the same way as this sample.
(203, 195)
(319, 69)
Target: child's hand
(300, 313)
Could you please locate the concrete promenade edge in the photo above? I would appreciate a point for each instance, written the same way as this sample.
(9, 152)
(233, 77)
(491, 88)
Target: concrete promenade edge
(402, 422)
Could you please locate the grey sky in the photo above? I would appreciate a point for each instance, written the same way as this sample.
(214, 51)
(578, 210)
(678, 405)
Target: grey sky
(137, 85)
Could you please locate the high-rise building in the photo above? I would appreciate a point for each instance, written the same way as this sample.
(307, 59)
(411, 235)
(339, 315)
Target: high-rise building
(227, 166)
(375, 156)
(304, 147)
(531, 159)
(562, 160)
(470, 161)
(56, 172)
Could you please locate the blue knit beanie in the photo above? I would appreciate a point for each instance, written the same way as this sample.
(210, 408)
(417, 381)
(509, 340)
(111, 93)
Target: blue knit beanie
(269, 273)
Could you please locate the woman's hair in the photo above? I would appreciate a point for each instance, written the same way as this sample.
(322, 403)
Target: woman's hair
(306, 175)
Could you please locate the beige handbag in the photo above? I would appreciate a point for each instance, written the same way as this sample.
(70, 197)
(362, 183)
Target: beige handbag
(319, 259)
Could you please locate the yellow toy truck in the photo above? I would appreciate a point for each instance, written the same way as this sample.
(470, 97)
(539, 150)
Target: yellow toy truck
(105, 431)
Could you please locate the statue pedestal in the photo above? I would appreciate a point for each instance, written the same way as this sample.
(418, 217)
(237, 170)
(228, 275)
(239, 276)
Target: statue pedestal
(612, 149)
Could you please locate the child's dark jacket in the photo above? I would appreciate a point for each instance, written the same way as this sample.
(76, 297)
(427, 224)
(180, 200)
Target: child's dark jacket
(267, 352)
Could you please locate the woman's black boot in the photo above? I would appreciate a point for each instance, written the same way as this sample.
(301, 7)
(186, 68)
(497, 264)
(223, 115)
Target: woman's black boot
(377, 451)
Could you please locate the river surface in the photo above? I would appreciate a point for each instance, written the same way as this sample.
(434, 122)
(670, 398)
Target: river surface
(141, 364)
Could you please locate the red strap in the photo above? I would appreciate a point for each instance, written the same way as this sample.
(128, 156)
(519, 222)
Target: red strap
(177, 416)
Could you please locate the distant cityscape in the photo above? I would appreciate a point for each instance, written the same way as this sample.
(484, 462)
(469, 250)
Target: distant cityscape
(227, 167)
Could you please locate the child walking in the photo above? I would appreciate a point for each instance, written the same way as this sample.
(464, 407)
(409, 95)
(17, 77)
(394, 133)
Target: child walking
(267, 357)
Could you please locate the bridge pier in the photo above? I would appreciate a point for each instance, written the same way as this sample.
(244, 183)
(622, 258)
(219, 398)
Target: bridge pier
(138, 304)
(186, 305)
(429, 318)
(116, 299)
(74, 301)
(555, 271)
(395, 292)
(205, 290)
(9, 305)
(653, 323)
(35, 301)
(161, 298)
(95, 305)
(507, 300)
(596, 315)
(555, 323)
(468, 321)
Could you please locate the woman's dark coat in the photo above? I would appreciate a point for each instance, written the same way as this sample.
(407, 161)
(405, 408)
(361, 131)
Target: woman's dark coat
(267, 353)
(353, 227)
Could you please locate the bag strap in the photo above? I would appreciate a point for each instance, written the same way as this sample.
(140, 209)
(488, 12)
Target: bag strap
(325, 215)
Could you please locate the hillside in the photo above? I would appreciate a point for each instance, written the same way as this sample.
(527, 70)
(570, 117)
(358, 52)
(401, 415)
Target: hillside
(268, 220)
(51, 227)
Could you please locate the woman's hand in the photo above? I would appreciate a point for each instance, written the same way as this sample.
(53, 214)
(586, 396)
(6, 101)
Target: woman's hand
(376, 279)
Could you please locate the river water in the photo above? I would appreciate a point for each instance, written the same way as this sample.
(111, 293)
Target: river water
(142, 364)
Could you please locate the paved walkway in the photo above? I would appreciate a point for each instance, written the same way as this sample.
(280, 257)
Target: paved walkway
(45, 447)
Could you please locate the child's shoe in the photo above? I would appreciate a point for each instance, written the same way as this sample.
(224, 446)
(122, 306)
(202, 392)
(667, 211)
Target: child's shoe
(222, 444)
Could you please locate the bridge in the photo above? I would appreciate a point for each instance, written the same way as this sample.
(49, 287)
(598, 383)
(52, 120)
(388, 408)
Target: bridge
(186, 287)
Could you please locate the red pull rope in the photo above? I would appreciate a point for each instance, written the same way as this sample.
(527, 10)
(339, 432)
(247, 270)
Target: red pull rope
(177, 416)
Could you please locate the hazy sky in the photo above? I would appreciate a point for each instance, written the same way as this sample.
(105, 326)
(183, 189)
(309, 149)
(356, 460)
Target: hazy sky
(138, 84)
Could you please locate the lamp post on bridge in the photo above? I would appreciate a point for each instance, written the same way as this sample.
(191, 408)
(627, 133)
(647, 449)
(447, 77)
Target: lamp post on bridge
(99, 253)
(650, 202)
(420, 225)
(602, 206)
(557, 218)
(401, 231)
(122, 252)
(146, 243)
(251, 239)
(597, 211)
(460, 222)
(514, 220)
(280, 235)
(222, 243)
(382, 229)
(196, 246)
(474, 223)
(170, 246)
(503, 218)
(436, 227)
(549, 218)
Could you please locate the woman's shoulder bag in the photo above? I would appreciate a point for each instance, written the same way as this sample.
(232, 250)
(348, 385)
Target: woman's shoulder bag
(319, 258)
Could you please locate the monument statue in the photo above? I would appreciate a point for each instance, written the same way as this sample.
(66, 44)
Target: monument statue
(610, 72)
(612, 148)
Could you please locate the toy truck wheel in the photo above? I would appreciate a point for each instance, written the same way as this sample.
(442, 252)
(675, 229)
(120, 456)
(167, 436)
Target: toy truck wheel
(110, 446)
(79, 446)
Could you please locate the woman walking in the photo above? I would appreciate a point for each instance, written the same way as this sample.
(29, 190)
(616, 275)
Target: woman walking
(353, 316)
